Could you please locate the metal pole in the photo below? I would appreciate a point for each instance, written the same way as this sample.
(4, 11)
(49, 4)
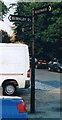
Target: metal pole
(32, 107)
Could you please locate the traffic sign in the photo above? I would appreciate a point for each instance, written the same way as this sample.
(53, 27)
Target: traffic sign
(42, 10)
(26, 29)
(13, 18)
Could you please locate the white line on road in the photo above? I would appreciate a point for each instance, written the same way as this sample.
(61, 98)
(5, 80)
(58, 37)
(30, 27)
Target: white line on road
(41, 86)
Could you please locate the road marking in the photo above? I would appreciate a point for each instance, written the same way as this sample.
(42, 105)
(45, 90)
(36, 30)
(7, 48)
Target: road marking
(44, 86)
(41, 86)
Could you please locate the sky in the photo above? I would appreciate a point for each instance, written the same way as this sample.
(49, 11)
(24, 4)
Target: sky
(7, 2)
(6, 24)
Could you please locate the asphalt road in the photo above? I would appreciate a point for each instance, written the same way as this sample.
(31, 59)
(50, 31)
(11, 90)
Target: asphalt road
(47, 79)
(44, 80)
(44, 74)
(47, 95)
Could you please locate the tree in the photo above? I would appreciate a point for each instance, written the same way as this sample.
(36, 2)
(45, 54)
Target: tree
(47, 27)
(3, 10)
(12, 38)
(4, 38)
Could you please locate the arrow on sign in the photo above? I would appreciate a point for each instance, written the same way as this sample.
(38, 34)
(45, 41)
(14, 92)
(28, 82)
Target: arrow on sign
(41, 10)
(13, 18)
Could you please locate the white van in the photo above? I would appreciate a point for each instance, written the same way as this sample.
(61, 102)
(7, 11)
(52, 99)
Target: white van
(14, 67)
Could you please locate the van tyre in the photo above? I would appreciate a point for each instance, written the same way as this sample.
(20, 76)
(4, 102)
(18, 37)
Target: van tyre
(9, 89)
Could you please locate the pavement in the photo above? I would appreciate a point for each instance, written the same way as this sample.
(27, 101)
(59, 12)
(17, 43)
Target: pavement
(47, 104)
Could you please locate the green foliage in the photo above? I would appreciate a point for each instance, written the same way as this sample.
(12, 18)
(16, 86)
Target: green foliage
(4, 37)
(47, 26)
(3, 8)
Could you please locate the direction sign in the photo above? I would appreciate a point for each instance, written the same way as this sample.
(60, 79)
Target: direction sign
(13, 18)
(42, 10)
(26, 29)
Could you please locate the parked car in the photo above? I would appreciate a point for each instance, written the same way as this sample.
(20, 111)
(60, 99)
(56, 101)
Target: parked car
(12, 108)
(55, 66)
(41, 63)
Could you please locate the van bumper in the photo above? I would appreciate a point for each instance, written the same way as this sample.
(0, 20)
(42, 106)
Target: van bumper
(27, 83)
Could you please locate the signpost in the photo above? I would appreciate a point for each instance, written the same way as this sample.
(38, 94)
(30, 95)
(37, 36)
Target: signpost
(32, 107)
(27, 28)
(40, 10)
(12, 18)
(18, 18)
(35, 11)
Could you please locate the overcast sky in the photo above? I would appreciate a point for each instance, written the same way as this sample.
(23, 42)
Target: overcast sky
(6, 25)
(7, 2)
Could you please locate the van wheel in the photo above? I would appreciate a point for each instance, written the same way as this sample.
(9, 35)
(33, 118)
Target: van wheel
(9, 89)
